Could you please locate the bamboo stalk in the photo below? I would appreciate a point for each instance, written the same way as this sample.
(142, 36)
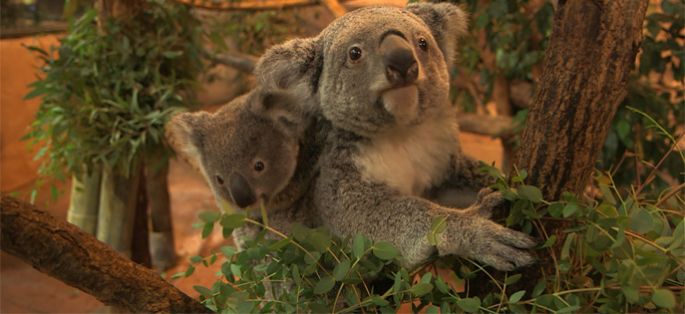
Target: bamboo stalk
(84, 199)
(118, 198)
(162, 245)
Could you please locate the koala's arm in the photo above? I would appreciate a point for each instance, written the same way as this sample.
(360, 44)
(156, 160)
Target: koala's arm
(349, 205)
(464, 173)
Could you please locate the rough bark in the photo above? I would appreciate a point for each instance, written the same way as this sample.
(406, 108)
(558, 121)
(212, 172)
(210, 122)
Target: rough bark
(586, 68)
(65, 252)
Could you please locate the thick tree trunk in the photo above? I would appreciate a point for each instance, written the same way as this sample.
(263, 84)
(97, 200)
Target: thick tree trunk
(590, 56)
(65, 252)
(587, 64)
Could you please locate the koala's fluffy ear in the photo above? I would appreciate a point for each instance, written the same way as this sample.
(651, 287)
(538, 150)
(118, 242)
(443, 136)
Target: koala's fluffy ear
(184, 133)
(446, 21)
(284, 110)
(295, 66)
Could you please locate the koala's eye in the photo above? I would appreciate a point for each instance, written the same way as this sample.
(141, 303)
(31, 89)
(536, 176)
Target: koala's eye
(219, 180)
(355, 53)
(259, 166)
(423, 44)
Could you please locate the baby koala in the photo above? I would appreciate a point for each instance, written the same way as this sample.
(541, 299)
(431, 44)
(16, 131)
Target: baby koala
(248, 151)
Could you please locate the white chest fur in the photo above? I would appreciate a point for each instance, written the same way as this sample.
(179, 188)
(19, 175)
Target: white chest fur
(412, 159)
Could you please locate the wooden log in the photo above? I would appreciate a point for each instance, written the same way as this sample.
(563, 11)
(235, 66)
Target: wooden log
(64, 251)
(84, 200)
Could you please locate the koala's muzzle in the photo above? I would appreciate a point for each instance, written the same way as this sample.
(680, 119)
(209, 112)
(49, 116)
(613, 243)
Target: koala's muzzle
(398, 57)
(240, 191)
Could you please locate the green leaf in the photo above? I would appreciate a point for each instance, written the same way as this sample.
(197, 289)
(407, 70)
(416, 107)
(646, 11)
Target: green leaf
(516, 296)
(641, 221)
(377, 300)
(566, 249)
(384, 251)
(340, 270)
(431, 309)
(539, 288)
(207, 230)
(232, 221)
(320, 240)
(195, 259)
(228, 251)
(530, 193)
(550, 241)
(421, 288)
(236, 270)
(210, 217)
(512, 279)
(470, 305)
(324, 285)
(632, 295)
(438, 226)
(663, 298)
(570, 209)
(358, 246)
(204, 291)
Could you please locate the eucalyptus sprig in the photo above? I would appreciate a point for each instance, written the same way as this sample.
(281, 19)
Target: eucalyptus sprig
(106, 93)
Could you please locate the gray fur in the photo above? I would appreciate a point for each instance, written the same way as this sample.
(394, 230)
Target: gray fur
(390, 147)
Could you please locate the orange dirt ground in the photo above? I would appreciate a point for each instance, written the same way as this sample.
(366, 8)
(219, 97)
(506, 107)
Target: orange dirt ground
(25, 290)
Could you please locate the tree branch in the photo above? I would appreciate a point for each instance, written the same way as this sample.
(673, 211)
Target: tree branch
(495, 126)
(239, 61)
(65, 252)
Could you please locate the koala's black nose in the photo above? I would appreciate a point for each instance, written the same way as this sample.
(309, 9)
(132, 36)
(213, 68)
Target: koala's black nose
(400, 64)
(240, 191)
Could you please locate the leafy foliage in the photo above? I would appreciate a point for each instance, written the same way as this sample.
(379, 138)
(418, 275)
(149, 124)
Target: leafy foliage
(107, 94)
(617, 253)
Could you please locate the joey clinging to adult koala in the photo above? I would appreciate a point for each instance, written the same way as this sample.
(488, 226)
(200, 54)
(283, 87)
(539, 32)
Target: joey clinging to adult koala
(379, 75)
(247, 151)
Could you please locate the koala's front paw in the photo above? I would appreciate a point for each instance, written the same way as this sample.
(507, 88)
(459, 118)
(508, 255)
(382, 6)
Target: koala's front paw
(487, 242)
(503, 248)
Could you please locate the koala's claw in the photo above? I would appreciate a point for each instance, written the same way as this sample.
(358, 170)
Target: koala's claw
(507, 250)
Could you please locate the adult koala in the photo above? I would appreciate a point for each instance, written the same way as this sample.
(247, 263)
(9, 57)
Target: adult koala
(379, 75)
